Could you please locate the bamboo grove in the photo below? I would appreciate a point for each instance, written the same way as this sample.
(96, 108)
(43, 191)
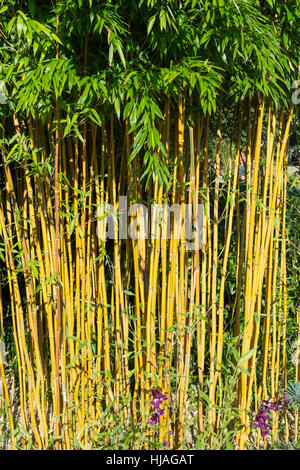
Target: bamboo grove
(166, 102)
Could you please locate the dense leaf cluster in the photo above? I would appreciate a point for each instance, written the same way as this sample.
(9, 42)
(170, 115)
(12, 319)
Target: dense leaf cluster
(93, 56)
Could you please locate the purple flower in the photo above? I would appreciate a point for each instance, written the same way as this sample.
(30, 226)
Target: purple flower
(159, 411)
(265, 430)
(166, 444)
(261, 420)
(154, 419)
(158, 398)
